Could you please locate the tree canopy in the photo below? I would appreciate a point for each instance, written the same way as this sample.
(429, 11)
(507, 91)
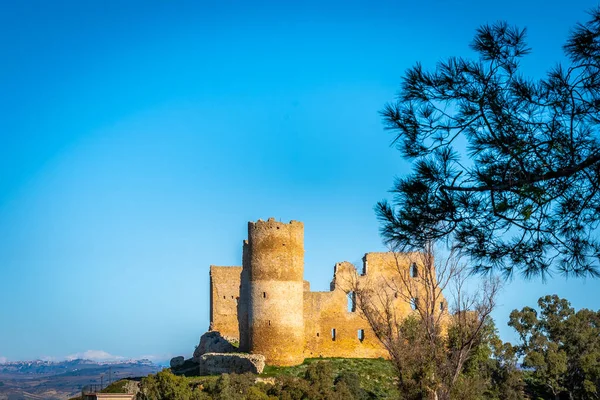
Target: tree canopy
(505, 168)
(560, 348)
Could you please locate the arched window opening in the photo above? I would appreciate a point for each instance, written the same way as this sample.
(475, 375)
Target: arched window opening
(361, 335)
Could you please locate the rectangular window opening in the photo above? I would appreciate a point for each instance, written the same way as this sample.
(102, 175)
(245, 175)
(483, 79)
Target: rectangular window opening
(364, 268)
(264, 295)
(351, 302)
(414, 271)
(333, 334)
(361, 335)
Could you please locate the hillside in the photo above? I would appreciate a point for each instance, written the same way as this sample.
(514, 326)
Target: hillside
(61, 380)
(328, 378)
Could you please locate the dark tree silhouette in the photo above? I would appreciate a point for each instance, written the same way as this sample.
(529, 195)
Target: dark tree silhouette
(525, 196)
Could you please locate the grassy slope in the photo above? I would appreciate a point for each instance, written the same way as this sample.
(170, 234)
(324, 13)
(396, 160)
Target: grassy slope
(376, 376)
(115, 387)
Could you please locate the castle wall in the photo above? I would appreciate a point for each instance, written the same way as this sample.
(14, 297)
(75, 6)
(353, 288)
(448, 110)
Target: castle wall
(224, 296)
(325, 311)
(276, 291)
(387, 269)
(278, 316)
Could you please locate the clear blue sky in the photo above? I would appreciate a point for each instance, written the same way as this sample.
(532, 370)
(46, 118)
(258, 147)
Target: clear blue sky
(138, 138)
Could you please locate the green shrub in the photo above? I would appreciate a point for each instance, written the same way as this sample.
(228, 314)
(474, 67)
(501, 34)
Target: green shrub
(255, 393)
(166, 386)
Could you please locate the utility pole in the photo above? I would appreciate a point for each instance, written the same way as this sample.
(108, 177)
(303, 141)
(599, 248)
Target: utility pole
(101, 381)
(110, 375)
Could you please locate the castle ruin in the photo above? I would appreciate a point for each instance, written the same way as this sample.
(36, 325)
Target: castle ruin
(268, 306)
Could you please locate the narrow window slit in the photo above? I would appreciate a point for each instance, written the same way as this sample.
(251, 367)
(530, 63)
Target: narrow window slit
(414, 272)
(414, 303)
(361, 335)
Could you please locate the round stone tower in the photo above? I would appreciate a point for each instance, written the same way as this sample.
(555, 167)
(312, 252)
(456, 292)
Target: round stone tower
(276, 293)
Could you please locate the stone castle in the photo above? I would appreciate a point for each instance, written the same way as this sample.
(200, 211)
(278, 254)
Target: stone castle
(267, 305)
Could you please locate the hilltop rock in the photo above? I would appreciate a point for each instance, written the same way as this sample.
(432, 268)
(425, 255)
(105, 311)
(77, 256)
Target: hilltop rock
(212, 342)
(238, 363)
(177, 362)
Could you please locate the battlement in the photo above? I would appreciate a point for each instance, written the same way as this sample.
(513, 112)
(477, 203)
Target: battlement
(272, 222)
(275, 251)
(224, 273)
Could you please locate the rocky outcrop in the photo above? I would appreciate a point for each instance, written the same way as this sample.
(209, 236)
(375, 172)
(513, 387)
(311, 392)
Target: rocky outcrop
(212, 342)
(188, 368)
(131, 387)
(177, 362)
(228, 363)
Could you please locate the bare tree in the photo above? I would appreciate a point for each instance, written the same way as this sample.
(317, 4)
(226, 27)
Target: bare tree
(429, 337)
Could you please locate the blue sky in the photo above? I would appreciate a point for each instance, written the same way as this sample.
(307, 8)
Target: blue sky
(138, 138)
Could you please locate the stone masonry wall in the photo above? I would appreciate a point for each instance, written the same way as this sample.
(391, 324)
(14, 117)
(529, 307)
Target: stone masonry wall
(224, 297)
(276, 291)
(334, 328)
(278, 316)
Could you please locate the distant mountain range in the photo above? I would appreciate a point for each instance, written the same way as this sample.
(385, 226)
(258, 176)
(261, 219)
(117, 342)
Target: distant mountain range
(64, 379)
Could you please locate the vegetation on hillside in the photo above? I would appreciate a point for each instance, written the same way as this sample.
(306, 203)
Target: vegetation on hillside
(314, 379)
(558, 357)
(430, 348)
